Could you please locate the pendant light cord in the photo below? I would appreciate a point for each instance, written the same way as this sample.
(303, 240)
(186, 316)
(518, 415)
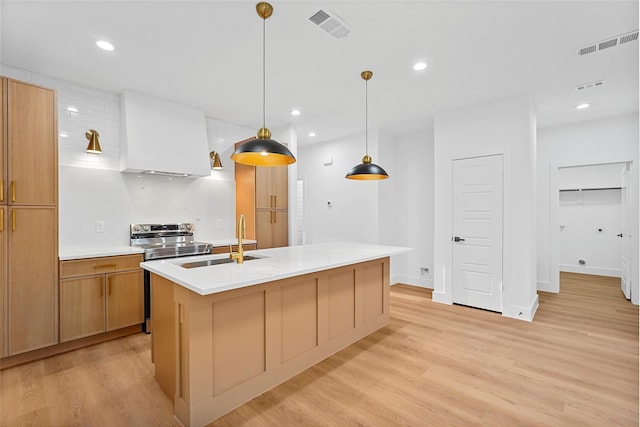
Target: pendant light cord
(264, 73)
(366, 118)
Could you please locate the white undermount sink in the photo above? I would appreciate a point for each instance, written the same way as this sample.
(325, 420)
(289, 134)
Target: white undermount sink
(217, 261)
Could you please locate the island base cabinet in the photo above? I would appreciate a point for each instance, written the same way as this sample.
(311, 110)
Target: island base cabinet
(215, 352)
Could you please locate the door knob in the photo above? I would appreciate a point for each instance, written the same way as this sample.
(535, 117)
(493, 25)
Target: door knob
(458, 239)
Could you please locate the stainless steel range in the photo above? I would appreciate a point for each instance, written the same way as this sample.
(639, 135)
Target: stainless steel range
(161, 241)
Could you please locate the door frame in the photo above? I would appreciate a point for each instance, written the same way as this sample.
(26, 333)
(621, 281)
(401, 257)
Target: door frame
(554, 222)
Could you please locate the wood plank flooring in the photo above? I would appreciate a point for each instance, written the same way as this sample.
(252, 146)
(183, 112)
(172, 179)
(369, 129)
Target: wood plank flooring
(433, 365)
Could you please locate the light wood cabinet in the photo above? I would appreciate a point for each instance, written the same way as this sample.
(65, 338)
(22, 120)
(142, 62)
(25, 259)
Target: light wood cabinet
(28, 218)
(262, 196)
(4, 233)
(32, 277)
(32, 165)
(97, 296)
(81, 307)
(125, 299)
(272, 187)
(272, 228)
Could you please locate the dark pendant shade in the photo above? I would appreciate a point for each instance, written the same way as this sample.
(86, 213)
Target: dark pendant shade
(367, 171)
(263, 152)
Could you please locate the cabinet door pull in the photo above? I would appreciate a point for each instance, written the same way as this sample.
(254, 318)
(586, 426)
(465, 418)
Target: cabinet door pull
(13, 220)
(104, 266)
(1, 190)
(1, 219)
(13, 191)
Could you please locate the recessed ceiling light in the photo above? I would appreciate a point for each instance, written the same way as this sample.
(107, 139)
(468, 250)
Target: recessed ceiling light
(419, 66)
(105, 45)
(582, 106)
(295, 112)
(312, 134)
(63, 135)
(72, 109)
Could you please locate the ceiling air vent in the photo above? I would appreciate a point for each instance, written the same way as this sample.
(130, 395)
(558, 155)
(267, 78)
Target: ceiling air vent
(589, 85)
(331, 23)
(606, 44)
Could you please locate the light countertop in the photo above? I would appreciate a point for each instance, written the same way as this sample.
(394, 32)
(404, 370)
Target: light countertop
(81, 253)
(274, 264)
(67, 254)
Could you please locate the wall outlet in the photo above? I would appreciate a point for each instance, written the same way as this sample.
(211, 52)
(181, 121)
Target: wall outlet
(424, 271)
(99, 226)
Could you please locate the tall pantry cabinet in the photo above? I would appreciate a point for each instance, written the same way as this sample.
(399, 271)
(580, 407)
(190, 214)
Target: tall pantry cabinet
(262, 196)
(28, 218)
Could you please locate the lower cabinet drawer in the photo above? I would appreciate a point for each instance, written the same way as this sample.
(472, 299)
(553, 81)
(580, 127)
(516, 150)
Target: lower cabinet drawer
(103, 265)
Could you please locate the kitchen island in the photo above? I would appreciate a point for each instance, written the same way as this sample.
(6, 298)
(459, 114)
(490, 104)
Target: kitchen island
(226, 333)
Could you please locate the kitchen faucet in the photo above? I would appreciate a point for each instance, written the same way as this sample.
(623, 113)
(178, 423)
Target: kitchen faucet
(242, 233)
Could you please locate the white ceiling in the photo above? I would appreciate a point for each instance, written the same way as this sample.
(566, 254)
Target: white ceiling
(208, 54)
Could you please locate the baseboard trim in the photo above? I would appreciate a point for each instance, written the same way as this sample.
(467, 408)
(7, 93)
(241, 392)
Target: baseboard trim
(522, 312)
(413, 281)
(41, 353)
(596, 271)
(441, 297)
(545, 286)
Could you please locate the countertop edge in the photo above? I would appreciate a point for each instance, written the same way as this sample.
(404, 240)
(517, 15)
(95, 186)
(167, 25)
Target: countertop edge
(163, 268)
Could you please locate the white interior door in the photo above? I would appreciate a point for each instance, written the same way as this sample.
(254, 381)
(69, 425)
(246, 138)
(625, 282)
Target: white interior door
(477, 232)
(625, 270)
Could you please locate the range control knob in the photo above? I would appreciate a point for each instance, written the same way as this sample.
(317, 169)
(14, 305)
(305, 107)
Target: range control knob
(181, 226)
(189, 227)
(136, 228)
(145, 227)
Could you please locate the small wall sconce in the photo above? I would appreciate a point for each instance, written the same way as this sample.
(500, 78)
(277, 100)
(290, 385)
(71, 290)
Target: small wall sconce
(94, 144)
(215, 160)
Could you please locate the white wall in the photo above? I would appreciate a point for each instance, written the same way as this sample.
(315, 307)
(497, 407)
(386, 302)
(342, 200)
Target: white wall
(414, 202)
(607, 140)
(353, 215)
(504, 127)
(589, 222)
(92, 189)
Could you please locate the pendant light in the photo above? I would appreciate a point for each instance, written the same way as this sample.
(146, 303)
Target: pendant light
(263, 151)
(366, 170)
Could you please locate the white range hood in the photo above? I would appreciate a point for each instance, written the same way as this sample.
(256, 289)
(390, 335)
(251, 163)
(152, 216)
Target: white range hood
(161, 137)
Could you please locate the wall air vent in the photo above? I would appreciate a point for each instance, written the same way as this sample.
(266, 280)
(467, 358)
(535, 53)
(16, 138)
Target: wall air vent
(606, 44)
(589, 85)
(331, 23)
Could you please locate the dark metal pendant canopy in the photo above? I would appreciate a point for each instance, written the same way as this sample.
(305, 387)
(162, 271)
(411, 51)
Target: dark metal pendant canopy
(263, 151)
(366, 170)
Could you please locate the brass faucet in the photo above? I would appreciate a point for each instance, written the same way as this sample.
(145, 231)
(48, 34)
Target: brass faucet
(242, 234)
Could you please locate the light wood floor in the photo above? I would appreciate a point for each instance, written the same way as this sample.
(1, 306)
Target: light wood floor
(576, 364)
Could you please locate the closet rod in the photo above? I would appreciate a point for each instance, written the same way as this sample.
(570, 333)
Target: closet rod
(591, 189)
